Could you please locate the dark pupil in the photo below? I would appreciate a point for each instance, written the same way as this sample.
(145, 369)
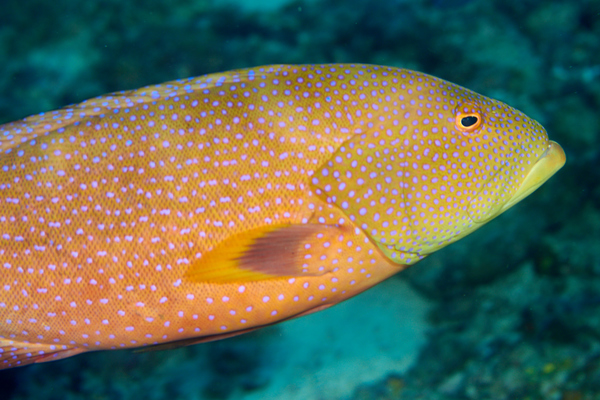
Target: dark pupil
(468, 121)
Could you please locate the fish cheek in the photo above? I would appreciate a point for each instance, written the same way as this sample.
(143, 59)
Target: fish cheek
(496, 167)
(485, 205)
(365, 179)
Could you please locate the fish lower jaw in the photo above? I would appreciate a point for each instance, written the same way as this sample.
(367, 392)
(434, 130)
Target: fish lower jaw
(547, 165)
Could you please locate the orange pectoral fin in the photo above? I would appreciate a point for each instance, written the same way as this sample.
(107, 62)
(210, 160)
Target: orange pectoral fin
(267, 252)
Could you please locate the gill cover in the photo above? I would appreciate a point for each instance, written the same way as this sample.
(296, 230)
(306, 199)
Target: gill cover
(436, 177)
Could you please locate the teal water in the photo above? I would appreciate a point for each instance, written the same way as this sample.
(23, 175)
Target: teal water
(510, 312)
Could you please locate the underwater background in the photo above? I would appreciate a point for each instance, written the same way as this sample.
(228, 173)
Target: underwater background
(510, 312)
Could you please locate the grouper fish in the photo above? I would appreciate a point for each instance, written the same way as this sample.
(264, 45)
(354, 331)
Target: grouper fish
(204, 208)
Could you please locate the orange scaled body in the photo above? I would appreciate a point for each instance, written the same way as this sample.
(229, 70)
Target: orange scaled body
(204, 208)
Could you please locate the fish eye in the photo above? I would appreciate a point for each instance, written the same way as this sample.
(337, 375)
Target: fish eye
(468, 122)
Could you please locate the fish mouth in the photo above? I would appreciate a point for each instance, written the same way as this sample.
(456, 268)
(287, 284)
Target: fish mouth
(551, 160)
(547, 164)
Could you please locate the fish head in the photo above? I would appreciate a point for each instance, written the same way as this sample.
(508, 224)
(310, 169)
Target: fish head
(436, 166)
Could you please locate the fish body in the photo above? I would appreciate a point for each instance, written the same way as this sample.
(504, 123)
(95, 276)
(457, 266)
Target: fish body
(204, 208)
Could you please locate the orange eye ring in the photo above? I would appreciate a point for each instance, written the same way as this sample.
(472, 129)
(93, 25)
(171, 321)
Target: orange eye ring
(468, 122)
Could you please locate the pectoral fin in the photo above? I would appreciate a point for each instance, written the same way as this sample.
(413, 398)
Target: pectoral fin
(263, 253)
